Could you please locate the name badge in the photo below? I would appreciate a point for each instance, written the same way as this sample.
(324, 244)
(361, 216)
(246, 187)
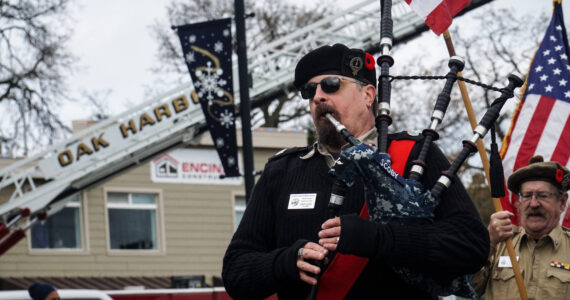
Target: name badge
(505, 262)
(302, 201)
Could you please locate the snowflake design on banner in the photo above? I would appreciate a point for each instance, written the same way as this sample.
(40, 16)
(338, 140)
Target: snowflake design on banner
(220, 142)
(218, 47)
(190, 58)
(231, 161)
(227, 119)
(210, 82)
(206, 48)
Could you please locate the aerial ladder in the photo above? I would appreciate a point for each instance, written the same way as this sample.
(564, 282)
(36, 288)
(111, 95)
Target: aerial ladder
(42, 184)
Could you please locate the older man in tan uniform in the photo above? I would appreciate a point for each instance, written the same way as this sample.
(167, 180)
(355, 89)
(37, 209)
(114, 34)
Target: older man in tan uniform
(541, 244)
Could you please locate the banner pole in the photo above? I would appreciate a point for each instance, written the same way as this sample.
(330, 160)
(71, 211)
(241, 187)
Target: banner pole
(245, 106)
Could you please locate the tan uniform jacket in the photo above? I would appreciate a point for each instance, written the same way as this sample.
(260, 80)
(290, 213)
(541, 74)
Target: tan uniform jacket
(542, 281)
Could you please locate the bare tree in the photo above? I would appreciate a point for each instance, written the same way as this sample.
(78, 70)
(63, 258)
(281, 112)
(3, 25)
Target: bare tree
(502, 44)
(33, 61)
(180, 13)
(271, 20)
(96, 103)
(481, 196)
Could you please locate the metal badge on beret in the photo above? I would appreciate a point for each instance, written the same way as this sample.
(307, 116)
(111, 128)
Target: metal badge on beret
(355, 65)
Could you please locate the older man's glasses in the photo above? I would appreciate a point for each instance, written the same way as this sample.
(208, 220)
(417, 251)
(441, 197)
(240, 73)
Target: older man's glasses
(540, 196)
(329, 85)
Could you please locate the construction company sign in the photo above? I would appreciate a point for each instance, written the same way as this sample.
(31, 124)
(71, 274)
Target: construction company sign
(195, 166)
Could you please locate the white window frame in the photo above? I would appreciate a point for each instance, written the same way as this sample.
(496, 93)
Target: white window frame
(158, 207)
(83, 232)
(236, 207)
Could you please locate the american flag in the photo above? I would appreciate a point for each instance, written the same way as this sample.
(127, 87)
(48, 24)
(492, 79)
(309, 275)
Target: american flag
(437, 14)
(540, 124)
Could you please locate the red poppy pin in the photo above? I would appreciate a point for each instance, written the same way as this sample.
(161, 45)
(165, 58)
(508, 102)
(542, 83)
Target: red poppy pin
(559, 175)
(369, 61)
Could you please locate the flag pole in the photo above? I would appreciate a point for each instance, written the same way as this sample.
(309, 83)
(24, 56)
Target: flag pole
(485, 161)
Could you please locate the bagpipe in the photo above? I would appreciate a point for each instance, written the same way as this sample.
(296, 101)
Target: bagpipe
(391, 197)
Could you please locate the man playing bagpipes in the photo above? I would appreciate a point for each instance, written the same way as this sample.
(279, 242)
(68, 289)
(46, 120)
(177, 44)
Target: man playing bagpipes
(286, 237)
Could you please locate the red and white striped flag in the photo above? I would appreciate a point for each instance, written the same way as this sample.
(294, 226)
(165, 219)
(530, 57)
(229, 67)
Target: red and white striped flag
(437, 14)
(540, 124)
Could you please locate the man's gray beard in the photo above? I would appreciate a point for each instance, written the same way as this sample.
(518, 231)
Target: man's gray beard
(328, 136)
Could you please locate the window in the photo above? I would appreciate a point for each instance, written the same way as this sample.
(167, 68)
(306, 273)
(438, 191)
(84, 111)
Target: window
(132, 221)
(239, 209)
(61, 230)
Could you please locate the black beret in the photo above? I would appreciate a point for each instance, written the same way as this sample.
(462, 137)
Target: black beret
(336, 60)
(538, 169)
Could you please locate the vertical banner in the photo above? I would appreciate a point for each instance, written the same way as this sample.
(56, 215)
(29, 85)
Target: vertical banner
(207, 50)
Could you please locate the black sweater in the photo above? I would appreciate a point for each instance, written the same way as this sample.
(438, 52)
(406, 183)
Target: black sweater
(261, 258)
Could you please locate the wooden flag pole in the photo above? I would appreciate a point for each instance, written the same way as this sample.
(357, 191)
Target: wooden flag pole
(485, 161)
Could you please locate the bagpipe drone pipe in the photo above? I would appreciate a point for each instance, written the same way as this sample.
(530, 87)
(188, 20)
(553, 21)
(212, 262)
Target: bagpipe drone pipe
(390, 197)
(383, 120)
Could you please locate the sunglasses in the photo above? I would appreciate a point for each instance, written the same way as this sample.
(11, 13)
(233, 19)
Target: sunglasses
(329, 85)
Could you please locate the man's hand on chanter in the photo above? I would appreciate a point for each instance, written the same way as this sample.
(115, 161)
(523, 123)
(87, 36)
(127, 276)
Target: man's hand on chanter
(307, 257)
(330, 235)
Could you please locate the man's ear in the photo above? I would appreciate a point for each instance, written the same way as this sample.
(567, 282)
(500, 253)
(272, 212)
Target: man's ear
(370, 93)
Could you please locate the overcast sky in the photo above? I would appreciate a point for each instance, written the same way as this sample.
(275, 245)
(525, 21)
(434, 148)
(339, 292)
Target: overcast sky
(116, 50)
(113, 42)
